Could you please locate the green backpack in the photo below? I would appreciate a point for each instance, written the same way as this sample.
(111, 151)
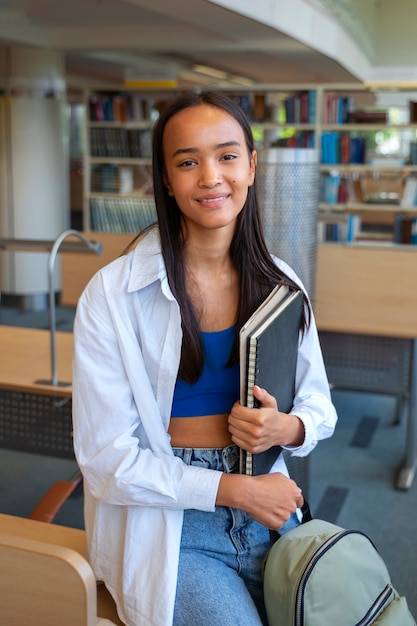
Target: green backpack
(322, 575)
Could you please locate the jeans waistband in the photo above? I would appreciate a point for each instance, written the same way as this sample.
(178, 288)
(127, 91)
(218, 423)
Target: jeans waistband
(222, 459)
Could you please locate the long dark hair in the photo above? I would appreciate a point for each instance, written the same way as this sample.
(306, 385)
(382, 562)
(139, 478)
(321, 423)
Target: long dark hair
(258, 273)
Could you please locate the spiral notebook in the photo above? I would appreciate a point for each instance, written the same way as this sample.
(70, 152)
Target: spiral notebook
(268, 345)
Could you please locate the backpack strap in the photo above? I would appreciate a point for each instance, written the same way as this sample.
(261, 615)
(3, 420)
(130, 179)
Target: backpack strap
(306, 517)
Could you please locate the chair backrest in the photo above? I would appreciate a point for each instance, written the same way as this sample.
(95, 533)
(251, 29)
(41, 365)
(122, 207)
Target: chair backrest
(46, 584)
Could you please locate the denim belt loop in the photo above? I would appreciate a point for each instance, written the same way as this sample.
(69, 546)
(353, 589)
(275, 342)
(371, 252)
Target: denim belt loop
(186, 455)
(230, 457)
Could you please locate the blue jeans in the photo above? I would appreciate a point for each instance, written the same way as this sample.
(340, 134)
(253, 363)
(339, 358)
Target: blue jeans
(221, 557)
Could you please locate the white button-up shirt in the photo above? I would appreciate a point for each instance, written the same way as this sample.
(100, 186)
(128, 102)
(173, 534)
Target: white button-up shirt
(127, 344)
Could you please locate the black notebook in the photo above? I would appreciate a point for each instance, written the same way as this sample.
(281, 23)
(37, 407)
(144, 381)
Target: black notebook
(268, 358)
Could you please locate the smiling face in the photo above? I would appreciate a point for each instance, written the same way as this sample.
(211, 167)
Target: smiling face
(208, 167)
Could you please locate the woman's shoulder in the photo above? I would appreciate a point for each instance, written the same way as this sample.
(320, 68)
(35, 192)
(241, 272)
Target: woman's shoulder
(149, 237)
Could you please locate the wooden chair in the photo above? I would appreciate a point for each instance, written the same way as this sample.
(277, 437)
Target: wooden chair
(52, 501)
(46, 579)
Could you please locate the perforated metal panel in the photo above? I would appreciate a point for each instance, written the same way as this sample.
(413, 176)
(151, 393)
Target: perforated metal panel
(367, 362)
(36, 423)
(288, 189)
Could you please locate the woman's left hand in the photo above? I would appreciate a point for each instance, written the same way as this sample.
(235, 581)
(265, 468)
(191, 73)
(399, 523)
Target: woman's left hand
(257, 430)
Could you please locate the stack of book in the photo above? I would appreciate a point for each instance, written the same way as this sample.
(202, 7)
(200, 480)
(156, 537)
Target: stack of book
(300, 108)
(342, 148)
(127, 215)
(121, 142)
(268, 344)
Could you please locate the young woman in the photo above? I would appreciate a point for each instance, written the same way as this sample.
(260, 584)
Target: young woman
(175, 532)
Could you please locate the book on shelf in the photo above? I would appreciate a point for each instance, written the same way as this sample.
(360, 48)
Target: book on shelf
(330, 147)
(300, 108)
(268, 345)
(126, 183)
(405, 229)
(354, 223)
(412, 105)
(344, 193)
(413, 234)
(259, 107)
(409, 197)
(330, 187)
(367, 117)
(357, 150)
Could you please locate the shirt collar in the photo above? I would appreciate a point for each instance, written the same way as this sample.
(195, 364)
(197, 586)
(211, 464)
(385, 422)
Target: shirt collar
(147, 264)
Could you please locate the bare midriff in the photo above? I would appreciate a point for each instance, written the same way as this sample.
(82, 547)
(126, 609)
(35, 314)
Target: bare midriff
(206, 431)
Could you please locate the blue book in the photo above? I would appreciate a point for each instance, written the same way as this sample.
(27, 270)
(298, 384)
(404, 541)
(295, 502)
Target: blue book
(311, 107)
(414, 231)
(331, 189)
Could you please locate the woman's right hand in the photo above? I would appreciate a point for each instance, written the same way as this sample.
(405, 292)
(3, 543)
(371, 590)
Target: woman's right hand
(270, 499)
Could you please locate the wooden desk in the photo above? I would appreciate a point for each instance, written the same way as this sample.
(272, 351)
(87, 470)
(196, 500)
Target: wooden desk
(370, 291)
(367, 290)
(35, 417)
(26, 358)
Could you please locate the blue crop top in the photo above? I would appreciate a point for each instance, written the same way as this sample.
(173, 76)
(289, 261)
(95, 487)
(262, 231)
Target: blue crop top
(217, 389)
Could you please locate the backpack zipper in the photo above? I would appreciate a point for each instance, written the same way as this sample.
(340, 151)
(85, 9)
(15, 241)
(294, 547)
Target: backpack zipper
(376, 607)
(329, 543)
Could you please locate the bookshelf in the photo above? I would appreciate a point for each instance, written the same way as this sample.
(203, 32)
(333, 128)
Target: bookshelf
(369, 167)
(345, 121)
(118, 194)
(117, 190)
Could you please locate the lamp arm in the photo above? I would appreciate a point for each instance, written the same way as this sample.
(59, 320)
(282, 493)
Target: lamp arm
(91, 246)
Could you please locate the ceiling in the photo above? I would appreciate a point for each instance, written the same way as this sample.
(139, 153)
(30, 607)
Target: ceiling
(108, 40)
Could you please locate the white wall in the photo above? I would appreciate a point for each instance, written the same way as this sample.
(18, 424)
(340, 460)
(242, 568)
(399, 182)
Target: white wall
(396, 42)
(307, 22)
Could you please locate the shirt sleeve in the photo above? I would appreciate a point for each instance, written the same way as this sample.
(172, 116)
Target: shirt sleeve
(121, 462)
(312, 401)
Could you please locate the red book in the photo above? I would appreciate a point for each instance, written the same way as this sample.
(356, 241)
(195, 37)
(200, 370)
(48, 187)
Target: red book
(345, 149)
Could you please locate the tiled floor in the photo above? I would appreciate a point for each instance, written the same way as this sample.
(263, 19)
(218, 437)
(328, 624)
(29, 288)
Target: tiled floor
(352, 483)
